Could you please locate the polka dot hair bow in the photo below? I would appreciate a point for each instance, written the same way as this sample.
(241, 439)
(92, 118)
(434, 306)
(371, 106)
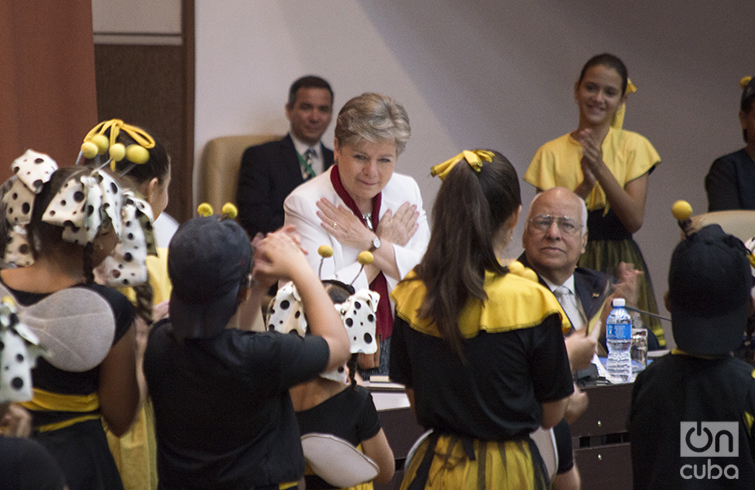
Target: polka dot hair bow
(83, 205)
(18, 355)
(358, 312)
(126, 265)
(32, 170)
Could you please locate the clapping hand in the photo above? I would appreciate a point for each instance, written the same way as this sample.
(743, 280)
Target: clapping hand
(580, 347)
(627, 285)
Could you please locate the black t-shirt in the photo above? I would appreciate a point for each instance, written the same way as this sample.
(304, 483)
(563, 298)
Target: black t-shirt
(223, 416)
(47, 377)
(680, 389)
(497, 394)
(730, 183)
(350, 415)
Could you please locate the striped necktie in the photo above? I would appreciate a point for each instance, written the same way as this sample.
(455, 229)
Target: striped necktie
(568, 302)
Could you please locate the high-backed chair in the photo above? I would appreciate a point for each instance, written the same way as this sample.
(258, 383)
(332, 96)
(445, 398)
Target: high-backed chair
(216, 177)
(737, 222)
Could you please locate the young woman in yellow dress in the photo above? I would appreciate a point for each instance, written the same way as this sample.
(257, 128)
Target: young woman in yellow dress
(479, 348)
(609, 168)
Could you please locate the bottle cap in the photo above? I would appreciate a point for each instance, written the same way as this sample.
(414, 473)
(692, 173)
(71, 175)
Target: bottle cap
(618, 303)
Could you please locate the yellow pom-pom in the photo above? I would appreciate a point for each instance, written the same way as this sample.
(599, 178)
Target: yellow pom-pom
(365, 258)
(101, 142)
(516, 267)
(137, 154)
(89, 149)
(205, 209)
(117, 152)
(681, 210)
(325, 251)
(529, 274)
(743, 83)
(230, 210)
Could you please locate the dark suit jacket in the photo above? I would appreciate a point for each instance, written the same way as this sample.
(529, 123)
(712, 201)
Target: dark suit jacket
(592, 291)
(591, 287)
(268, 173)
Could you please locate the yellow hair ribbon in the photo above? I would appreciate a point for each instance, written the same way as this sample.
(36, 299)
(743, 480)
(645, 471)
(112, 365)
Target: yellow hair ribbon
(474, 159)
(116, 126)
(744, 82)
(617, 122)
(133, 154)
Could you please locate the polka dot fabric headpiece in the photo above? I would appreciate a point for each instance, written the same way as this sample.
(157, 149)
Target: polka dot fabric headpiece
(286, 314)
(84, 204)
(18, 355)
(126, 265)
(32, 170)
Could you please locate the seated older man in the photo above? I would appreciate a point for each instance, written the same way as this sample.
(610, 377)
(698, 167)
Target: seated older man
(555, 235)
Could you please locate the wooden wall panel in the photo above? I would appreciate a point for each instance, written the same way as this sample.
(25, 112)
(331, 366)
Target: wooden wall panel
(47, 89)
(152, 86)
(143, 85)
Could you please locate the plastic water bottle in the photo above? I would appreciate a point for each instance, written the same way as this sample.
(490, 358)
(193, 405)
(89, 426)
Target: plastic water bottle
(619, 340)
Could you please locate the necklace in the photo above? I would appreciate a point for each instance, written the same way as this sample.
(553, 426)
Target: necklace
(368, 218)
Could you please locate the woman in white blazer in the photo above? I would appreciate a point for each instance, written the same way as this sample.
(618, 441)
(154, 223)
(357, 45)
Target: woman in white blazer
(362, 204)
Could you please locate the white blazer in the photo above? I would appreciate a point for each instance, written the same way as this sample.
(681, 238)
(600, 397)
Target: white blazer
(301, 205)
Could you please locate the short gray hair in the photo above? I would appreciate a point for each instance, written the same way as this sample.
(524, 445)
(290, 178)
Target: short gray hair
(373, 117)
(582, 208)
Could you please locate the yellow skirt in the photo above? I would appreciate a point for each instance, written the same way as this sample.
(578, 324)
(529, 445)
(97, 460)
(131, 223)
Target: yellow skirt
(501, 465)
(135, 453)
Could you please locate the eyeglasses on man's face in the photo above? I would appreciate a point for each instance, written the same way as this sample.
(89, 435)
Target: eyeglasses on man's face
(567, 226)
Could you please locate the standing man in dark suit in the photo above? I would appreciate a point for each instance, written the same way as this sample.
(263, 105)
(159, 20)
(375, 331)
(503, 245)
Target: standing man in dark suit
(269, 172)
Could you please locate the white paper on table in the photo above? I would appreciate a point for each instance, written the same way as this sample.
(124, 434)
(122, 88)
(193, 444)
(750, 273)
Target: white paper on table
(601, 368)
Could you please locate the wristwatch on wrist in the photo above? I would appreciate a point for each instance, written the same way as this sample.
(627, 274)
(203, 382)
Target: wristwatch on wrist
(376, 242)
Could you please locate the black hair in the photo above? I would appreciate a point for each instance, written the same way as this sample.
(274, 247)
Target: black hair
(469, 209)
(745, 104)
(309, 81)
(338, 291)
(610, 61)
(157, 166)
(46, 238)
(351, 364)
